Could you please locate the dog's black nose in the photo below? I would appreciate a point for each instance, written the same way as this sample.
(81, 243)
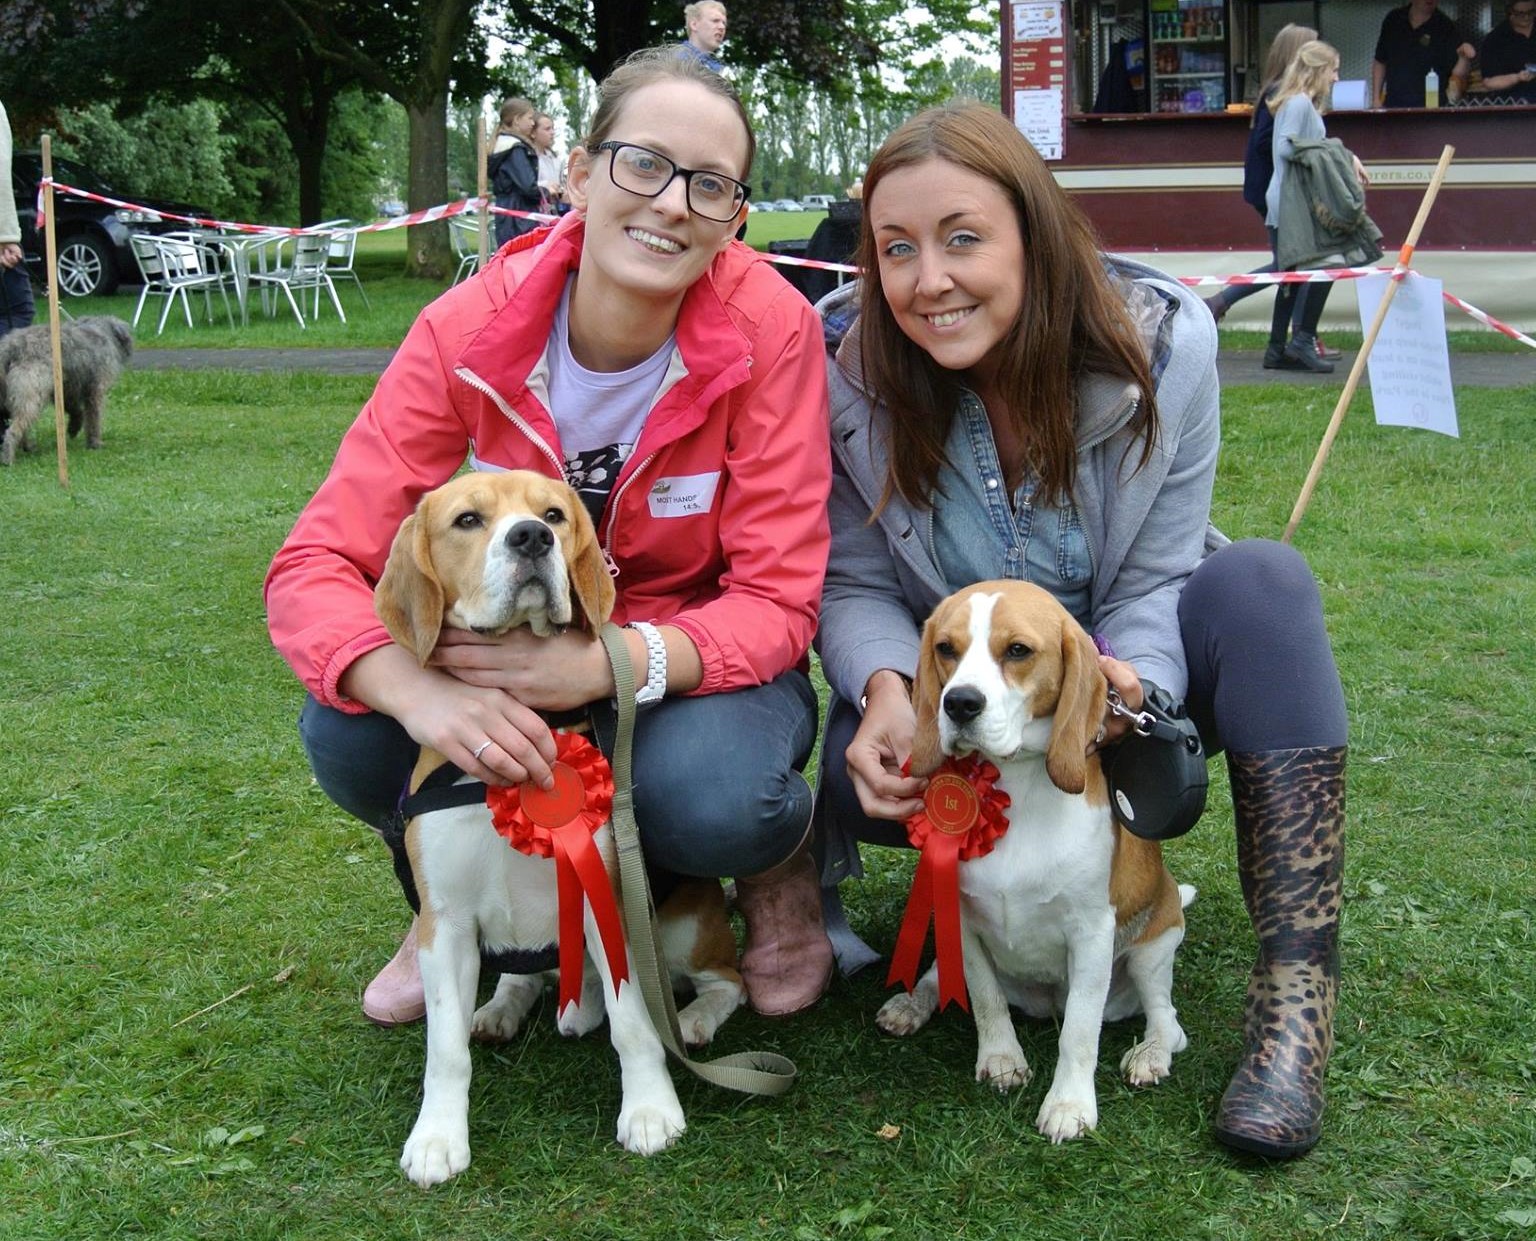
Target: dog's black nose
(530, 539)
(963, 704)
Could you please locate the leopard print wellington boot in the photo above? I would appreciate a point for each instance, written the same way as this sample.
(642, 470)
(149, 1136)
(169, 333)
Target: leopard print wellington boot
(1289, 807)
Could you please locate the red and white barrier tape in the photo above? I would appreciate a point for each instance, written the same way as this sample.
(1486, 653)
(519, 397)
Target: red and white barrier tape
(447, 210)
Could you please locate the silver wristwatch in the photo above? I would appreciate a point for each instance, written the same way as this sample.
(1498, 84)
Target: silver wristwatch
(655, 687)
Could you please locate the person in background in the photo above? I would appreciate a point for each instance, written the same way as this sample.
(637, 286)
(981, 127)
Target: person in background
(1414, 40)
(513, 168)
(1258, 168)
(551, 166)
(705, 22)
(16, 306)
(1014, 404)
(675, 379)
(1297, 104)
(1507, 57)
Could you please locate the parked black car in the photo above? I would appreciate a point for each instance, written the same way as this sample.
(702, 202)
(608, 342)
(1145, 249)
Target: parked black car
(93, 248)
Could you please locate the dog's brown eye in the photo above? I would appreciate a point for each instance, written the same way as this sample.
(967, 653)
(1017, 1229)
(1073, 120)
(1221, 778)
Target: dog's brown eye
(1017, 650)
(945, 650)
(554, 516)
(468, 521)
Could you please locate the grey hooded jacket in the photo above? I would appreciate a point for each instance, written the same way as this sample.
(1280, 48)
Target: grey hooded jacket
(1146, 529)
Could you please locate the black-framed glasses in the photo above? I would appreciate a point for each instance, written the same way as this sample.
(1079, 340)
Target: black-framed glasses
(712, 195)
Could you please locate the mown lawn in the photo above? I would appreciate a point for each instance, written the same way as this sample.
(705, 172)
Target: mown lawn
(188, 923)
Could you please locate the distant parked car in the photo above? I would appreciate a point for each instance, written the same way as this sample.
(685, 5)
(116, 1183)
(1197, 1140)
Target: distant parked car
(816, 202)
(94, 253)
(391, 209)
(783, 204)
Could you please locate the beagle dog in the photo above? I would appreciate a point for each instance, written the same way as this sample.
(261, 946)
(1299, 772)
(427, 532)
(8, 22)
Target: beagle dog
(489, 552)
(1070, 915)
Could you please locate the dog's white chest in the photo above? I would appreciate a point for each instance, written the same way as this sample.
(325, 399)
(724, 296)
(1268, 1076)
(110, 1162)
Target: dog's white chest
(1047, 879)
(473, 873)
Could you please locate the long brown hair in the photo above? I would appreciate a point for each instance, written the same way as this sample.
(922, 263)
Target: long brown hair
(1287, 42)
(1073, 319)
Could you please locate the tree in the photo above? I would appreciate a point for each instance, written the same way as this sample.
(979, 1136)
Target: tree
(133, 54)
(823, 42)
(416, 52)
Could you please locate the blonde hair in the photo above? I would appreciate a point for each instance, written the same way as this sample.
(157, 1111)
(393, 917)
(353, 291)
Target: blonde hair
(1309, 74)
(692, 11)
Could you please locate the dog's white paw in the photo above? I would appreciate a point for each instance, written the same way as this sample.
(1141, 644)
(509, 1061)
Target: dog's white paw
(701, 1020)
(434, 1153)
(1063, 1117)
(648, 1128)
(1146, 1063)
(1003, 1071)
(902, 1014)
(501, 1016)
(581, 1018)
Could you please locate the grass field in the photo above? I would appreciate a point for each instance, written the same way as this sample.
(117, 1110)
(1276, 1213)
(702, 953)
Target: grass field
(188, 923)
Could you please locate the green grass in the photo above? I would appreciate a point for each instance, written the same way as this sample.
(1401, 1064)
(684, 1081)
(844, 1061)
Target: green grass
(188, 922)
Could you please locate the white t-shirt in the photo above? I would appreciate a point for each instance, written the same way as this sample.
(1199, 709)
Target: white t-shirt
(598, 413)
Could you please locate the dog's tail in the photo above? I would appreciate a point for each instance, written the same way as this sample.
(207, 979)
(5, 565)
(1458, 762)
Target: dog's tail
(1186, 895)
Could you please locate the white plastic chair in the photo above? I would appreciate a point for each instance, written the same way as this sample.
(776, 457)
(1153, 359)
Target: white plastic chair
(300, 267)
(170, 265)
(340, 252)
(464, 232)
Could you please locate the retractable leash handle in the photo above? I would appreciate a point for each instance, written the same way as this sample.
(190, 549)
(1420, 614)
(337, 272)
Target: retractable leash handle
(1156, 773)
(749, 1072)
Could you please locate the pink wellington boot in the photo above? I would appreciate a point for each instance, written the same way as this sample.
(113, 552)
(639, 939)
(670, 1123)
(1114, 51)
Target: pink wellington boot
(395, 997)
(788, 959)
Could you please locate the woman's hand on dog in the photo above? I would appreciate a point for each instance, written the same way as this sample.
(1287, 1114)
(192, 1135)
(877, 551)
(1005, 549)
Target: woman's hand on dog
(1123, 679)
(556, 673)
(455, 718)
(881, 745)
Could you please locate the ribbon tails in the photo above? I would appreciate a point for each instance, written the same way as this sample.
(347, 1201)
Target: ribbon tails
(560, 824)
(962, 818)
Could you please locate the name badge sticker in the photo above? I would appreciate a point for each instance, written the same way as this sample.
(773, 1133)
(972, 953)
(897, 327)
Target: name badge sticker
(684, 495)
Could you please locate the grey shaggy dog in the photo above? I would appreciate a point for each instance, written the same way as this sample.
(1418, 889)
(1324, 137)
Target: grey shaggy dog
(95, 350)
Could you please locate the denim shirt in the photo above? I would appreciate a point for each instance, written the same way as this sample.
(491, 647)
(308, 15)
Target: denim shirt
(975, 536)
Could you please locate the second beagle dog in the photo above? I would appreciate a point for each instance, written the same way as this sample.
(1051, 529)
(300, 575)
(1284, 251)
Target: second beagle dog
(1069, 916)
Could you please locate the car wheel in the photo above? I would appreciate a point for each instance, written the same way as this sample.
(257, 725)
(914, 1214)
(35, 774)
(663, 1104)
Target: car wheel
(86, 266)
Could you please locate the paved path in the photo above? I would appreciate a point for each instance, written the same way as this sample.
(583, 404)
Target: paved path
(1468, 370)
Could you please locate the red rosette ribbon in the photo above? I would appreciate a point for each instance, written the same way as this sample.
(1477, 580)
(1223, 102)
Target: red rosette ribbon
(560, 823)
(962, 818)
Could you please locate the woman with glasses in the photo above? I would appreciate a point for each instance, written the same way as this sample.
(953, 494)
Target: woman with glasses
(638, 351)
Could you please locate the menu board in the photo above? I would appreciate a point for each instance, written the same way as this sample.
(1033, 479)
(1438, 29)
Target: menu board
(1037, 72)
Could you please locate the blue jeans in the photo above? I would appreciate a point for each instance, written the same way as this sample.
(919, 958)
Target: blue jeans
(717, 783)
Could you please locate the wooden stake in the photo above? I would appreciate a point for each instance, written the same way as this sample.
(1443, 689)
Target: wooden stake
(483, 136)
(1404, 258)
(60, 418)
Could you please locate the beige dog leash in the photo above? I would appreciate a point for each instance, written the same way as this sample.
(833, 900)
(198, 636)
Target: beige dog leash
(750, 1072)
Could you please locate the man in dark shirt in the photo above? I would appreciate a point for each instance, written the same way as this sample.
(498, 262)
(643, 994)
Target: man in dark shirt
(1507, 58)
(1415, 39)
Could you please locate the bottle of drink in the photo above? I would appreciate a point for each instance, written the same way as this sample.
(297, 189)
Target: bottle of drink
(1431, 89)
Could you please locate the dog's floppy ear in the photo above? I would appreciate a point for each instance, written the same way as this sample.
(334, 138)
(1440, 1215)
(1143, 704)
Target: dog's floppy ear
(1079, 711)
(591, 584)
(926, 690)
(409, 597)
